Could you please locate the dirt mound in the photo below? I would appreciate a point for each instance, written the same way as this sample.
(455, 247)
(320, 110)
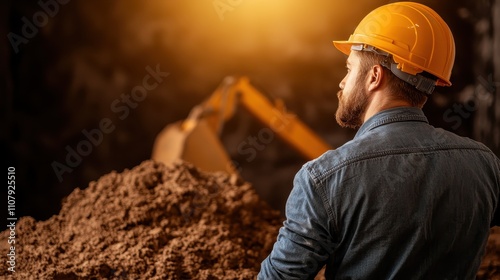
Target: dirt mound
(490, 266)
(159, 222)
(150, 222)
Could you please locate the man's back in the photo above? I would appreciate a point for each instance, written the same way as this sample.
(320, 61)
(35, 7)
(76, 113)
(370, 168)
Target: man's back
(402, 200)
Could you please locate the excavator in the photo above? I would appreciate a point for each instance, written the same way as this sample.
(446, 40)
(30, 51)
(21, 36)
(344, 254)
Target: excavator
(196, 139)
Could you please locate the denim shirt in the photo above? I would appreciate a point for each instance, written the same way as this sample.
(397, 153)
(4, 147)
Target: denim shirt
(402, 200)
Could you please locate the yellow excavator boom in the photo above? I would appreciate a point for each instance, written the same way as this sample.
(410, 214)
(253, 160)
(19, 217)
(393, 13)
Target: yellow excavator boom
(196, 138)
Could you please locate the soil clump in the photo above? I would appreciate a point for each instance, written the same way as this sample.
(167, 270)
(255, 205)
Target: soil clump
(160, 222)
(150, 222)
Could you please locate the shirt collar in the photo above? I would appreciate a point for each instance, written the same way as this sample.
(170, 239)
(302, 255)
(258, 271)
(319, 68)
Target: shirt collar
(392, 115)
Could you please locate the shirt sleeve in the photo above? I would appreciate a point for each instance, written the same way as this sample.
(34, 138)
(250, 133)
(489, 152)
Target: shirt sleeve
(496, 216)
(304, 243)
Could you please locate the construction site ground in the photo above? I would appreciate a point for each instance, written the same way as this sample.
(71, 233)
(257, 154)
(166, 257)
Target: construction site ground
(160, 222)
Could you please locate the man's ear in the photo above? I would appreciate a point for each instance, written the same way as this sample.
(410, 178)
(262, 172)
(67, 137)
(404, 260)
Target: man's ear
(375, 77)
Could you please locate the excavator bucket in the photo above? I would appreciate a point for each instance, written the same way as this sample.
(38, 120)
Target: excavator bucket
(195, 139)
(192, 141)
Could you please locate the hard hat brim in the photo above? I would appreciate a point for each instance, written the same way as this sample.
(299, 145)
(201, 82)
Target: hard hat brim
(343, 46)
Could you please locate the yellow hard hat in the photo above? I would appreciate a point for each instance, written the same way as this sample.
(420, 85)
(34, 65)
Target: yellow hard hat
(415, 35)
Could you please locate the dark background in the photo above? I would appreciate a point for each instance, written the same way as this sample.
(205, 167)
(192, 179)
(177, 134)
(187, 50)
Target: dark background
(84, 55)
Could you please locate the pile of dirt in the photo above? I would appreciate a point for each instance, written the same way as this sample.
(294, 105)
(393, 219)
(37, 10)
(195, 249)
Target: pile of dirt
(150, 222)
(160, 222)
(490, 266)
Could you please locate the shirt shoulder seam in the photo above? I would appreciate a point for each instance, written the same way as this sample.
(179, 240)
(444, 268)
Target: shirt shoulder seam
(318, 178)
(324, 200)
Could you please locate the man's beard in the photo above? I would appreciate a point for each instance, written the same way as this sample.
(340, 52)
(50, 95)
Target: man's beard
(351, 110)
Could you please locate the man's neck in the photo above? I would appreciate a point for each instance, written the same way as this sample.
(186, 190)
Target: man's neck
(382, 101)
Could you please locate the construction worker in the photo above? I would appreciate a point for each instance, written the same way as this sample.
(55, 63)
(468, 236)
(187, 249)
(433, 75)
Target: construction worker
(402, 200)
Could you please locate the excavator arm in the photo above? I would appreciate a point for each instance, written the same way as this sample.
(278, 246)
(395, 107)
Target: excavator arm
(196, 139)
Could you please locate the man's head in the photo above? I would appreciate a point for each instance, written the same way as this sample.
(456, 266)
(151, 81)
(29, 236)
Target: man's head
(406, 47)
(366, 75)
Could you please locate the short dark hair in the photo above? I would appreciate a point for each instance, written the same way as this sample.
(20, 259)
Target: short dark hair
(398, 87)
